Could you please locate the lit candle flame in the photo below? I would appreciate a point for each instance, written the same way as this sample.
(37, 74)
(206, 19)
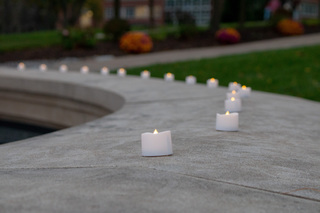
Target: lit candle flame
(169, 74)
(21, 66)
(233, 92)
(85, 69)
(43, 67)
(212, 80)
(235, 83)
(227, 113)
(244, 87)
(121, 70)
(146, 72)
(232, 99)
(155, 131)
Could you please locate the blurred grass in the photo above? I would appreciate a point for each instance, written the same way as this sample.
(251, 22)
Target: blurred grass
(18, 41)
(293, 72)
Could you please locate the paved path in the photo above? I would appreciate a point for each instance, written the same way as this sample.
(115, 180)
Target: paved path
(193, 54)
(95, 63)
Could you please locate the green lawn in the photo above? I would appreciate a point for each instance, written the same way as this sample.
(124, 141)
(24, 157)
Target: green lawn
(17, 41)
(293, 72)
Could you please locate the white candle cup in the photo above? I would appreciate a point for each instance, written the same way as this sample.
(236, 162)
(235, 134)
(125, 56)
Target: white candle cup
(121, 72)
(145, 74)
(169, 77)
(63, 68)
(245, 92)
(43, 67)
(227, 122)
(232, 105)
(104, 71)
(234, 94)
(234, 86)
(190, 80)
(21, 66)
(212, 83)
(156, 144)
(84, 70)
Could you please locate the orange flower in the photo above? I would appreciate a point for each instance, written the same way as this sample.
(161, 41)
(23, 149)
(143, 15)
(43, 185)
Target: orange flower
(136, 42)
(228, 36)
(290, 27)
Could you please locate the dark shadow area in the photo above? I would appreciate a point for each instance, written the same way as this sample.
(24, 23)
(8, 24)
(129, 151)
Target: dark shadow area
(12, 131)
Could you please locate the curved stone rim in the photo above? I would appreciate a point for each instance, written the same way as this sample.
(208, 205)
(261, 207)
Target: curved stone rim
(268, 157)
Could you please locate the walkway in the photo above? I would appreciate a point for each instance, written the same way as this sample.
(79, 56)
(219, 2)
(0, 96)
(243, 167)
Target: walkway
(191, 54)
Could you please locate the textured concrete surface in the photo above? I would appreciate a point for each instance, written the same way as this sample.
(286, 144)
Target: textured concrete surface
(271, 165)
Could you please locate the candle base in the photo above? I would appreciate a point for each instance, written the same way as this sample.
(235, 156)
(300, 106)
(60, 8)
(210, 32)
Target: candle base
(156, 155)
(156, 144)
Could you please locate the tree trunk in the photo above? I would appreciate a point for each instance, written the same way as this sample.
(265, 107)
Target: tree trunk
(116, 9)
(216, 12)
(242, 13)
(151, 13)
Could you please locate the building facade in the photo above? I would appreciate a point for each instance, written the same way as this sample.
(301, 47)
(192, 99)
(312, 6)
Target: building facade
(136, 11)
(199, 9)
(307, 9)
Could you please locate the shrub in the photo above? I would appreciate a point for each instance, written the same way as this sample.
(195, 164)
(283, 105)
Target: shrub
(228, 36)
(290, 27)
(116, 28)
(72, 38)
(278, 16)
(136, 42)
(187, 25)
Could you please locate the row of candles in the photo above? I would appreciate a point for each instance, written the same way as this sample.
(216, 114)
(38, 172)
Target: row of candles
(160, 143)
(122, 72)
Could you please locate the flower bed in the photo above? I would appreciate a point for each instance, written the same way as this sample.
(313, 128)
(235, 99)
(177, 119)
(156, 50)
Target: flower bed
(228, 36)
(290, 27)
(136, 42)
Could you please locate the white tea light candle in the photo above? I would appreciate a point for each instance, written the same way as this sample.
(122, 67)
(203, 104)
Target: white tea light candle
(63, 68)
(43, 67)
(145, 74)
(232, 105)
(104, 71)
(84, 70)
(227, 122)
(156, 144)
(121, 72)
(21, 66)
(234, 86)
(190, 80)
(234, 94)
(245, 91)
(169, 77)
(212, 83)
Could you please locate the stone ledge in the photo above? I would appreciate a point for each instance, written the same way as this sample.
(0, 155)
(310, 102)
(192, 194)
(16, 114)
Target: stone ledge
(97, 166)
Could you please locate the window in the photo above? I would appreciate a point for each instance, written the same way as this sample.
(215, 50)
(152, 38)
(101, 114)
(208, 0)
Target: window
(170, 3)
(129, 12)
(199, 9)
(108, 13)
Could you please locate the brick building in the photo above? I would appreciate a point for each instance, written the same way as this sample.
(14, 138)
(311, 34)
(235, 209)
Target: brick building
(308, 9)
(136, 11)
